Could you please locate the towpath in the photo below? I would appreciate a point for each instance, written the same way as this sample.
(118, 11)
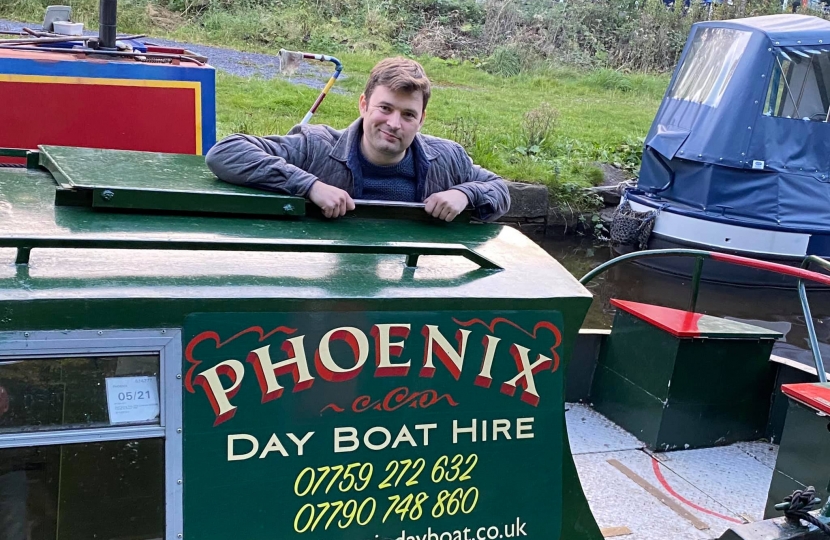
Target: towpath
(231, 61)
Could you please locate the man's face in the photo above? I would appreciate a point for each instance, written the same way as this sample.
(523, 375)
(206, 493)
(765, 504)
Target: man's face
(390, 122)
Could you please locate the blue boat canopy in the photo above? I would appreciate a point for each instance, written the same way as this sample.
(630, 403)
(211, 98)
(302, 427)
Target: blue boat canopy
(743, 129)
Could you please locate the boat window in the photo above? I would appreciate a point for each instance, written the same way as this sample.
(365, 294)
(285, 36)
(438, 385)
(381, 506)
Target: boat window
(88, 440)
(61, 393)
(799, 83)
(709, 65)
(112, 489)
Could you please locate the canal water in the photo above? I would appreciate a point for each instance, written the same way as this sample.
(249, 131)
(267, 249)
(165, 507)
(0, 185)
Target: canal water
(777, 309)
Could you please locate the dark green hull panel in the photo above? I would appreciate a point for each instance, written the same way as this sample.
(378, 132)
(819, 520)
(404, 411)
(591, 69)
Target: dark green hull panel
(683, 393)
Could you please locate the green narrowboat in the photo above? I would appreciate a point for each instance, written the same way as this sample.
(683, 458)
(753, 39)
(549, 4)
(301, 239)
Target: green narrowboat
(181, 358)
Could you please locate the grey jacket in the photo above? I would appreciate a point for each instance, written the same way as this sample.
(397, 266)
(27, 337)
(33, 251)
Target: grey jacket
(292, 163)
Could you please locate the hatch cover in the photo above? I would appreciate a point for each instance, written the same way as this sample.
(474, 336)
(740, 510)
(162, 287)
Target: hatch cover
(129, 180)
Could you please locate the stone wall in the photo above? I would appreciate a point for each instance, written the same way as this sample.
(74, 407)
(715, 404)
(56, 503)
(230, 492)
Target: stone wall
(531, 209)
(529, 206)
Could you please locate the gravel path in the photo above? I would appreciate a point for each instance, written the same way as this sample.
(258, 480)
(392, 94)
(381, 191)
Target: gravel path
(241, 64)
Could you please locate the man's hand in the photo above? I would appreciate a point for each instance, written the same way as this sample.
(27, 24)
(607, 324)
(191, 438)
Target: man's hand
(446, 204)
(334, 201)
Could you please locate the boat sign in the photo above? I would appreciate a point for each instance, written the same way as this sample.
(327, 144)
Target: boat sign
(373, 425)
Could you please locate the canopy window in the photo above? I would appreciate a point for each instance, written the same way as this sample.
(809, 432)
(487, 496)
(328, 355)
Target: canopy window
(709, 65)
(799, 84)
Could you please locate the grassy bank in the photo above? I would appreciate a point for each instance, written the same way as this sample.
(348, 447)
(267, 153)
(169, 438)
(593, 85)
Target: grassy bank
(547, 127)
(544, 124)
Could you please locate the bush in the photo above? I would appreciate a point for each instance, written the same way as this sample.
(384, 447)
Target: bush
(503, 36)
(609, 79)
(594, 175)
(505, 61)
(539, 124)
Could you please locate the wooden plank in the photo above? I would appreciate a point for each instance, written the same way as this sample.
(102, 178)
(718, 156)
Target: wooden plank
(659, 495)
(610, 532)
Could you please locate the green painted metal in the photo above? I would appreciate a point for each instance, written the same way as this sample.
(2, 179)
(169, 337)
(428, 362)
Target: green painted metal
(802, 456)
(327, 274)
(31, 156)
(651, 253)
(248, 203)
(400, 423)
(412, 250)
(811, 332)
(14, 152)
(786, 505)
(529, 279)
(785, 374)
(772, 529)
(684, 392)
(367, 209)
(694, 325)
(700, 254)
(698, 272)
(716, 327)
(127, 180)
(808, 317)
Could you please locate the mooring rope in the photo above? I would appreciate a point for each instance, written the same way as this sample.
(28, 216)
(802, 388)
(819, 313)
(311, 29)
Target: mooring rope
(800, 504)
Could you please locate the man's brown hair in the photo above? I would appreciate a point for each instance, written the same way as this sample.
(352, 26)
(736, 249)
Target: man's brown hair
(399, 75)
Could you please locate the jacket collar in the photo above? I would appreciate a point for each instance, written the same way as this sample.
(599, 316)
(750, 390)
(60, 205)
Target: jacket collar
(344, 146)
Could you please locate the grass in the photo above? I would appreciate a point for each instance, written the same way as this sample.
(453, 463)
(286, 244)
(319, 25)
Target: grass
(486, 113)
(599, 115)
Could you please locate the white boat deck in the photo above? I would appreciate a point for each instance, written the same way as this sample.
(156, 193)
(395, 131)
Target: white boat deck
(635, 494)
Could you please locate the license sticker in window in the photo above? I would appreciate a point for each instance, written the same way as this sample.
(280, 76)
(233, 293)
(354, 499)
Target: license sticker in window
(132, 399)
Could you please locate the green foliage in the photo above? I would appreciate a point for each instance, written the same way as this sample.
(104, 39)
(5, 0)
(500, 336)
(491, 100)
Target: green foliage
(590, 224)
(464, 131)
(572, 195)
(547, 122)
(504, 37)
(628, 155)
(132, 14)
(539, 124)
(610, 79)
(594, 175)
(504, 61)
(27, 10)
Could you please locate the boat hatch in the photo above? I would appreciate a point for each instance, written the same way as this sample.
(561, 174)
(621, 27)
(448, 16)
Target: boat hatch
(127, 180)
(123, 180)
(685, 324)
(815, 395)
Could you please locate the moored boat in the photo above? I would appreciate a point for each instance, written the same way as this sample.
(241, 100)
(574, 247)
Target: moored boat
(737, 159)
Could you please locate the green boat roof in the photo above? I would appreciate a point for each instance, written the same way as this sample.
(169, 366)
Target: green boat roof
(208, 256)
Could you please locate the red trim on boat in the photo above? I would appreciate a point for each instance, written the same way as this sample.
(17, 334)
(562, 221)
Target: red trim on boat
(815, 395)
(774, 267)
(165, 50)
(674, 321)
(660, 478)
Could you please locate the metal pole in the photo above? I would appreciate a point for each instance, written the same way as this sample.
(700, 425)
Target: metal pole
(696, 283)
(106, 24)
(787, 85)
(811, 332)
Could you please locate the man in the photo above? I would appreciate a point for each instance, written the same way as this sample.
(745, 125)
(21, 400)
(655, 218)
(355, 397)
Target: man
(381, 156)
